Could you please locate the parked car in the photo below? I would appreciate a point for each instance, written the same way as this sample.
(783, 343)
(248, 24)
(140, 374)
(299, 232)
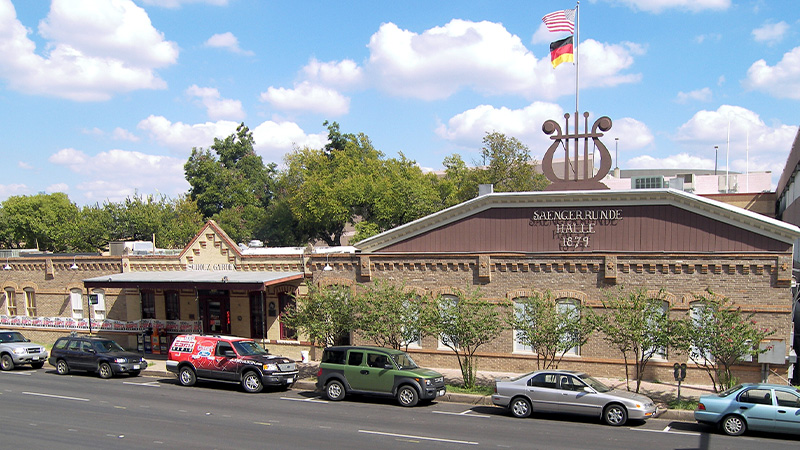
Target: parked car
(564, 391)
(229, 358)
(346, 370)
(94, 354)
(761, 407)
(16, 349)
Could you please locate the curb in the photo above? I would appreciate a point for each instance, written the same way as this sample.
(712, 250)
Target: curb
(452, 397)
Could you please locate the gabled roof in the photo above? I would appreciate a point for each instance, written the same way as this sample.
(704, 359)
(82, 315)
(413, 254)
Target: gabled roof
(214, 227)
(712, 209)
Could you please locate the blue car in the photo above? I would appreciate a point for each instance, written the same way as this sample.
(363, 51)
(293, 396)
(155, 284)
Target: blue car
(761, 407)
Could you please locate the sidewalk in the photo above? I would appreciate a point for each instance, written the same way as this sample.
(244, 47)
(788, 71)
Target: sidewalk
(661, 393)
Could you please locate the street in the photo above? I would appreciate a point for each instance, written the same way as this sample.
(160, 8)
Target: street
(43, 410)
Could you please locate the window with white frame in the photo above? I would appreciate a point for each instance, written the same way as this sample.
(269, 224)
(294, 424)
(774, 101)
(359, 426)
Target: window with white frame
(519, 310)
(99, 310)
(76, 300)
(569, 307)
(30, 302)
(697, 314)
(412, 327)
(658, 311)
(11, 302)
(448, 302)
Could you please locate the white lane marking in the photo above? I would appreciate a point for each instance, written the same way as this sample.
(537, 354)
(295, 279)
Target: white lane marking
(669, 432)
(667, 428)
(465, 413)
(63, 397)
(24, 374)
(148, 384)
(425, 438)
(309, 400)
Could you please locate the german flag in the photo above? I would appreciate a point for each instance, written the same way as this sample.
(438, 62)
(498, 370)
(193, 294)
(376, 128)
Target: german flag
(561, 51)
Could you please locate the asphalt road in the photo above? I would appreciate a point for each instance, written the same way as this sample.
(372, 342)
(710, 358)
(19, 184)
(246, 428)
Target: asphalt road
(39, 409)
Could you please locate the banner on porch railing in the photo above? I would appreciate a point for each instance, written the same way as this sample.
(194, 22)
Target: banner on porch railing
(122, 326)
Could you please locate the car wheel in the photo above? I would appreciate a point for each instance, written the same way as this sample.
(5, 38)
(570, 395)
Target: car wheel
(37, 365)
(251, 382)
(334, 390)
(734, 425)
(615, 415)
(135, 373)
(407, 396)
(62, 368)
(105, 371)
(186, 376)
(6, 363)
(520, 407)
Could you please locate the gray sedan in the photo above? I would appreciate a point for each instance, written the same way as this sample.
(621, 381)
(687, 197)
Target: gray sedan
(570, 392)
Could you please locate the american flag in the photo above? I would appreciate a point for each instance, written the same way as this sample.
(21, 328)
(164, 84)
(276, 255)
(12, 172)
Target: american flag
(560, 20)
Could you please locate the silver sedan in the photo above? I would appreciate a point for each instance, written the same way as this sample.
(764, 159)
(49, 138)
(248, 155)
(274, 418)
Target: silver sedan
(570, 392)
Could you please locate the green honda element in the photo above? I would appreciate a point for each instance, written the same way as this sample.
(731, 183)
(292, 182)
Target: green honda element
(349, 370)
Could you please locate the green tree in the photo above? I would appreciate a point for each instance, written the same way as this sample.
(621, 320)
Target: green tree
(637, 325)
(92, 234)
(140, 218)
(44, 221)
(325, 314)
(390, 316)
(550, 328)
(464, 323)
(717, 334)
(510, 166)
(230, 183)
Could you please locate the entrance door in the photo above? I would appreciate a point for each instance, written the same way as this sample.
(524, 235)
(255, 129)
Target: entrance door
(215, 311)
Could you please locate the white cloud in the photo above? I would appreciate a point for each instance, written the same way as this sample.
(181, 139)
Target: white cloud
(216, 106)
(716, 37)
(700, 95)
(345, 73)
(24, 165)
(228, 42)
(95, 50)
(10, 190)
(657, 6)
(307, 97)
(632, 134)
(117, 174)
(121, 134)
(57, 187)
(679, 161)
(275, 139)
(181, 137)
(485, 57)
(781, 80)
(771, 33)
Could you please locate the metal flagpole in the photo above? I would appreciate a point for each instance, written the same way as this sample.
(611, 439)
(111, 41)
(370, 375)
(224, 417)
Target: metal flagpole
(577, 89)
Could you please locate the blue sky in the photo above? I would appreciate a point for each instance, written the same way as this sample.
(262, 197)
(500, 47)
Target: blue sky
(104, 99)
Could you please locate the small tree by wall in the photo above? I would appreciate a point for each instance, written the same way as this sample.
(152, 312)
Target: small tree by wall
(464, 322)
(716, 334)
(324, 314)
(549, 330)
(637, 324)
(389, 315)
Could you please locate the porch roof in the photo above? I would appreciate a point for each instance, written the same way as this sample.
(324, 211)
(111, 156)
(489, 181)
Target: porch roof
(201, 279)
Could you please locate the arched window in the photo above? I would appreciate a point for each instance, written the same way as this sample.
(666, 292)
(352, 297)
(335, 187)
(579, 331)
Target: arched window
(30, 302)
(697, 312)
(411, 327)
(448, 301)
(11, 301)
(658, 313)
(519, 310)
(76, 301)
(569, 307)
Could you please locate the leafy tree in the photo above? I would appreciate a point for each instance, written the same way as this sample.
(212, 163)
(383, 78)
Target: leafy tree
(324, 314)
(389, 316)
(92, 235)
(172, 222)
(549, 328)
(44, 221)
(716, 335)
(230, 175)
(637, 325)
(464, 324)
(510, 166)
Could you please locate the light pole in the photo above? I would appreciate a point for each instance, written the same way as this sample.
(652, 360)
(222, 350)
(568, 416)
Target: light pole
(716, 154)
(616, 152)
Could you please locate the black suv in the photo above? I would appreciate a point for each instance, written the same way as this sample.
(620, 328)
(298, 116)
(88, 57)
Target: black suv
(94, 354)
(376, 370)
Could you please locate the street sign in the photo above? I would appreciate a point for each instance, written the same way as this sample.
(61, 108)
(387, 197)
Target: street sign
(93, 299)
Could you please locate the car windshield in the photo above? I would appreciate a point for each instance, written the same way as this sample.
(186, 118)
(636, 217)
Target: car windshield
(107, 346)
(12, 337)
(404, 361)
(730, 391)
(595, 384)
(249, 348)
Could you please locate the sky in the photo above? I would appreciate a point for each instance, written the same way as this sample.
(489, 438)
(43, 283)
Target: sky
(105, 99)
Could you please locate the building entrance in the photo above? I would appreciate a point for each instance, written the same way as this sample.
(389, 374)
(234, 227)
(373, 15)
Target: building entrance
(215, 311)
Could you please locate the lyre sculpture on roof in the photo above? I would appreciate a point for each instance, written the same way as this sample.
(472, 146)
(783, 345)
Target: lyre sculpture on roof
(574, 178)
